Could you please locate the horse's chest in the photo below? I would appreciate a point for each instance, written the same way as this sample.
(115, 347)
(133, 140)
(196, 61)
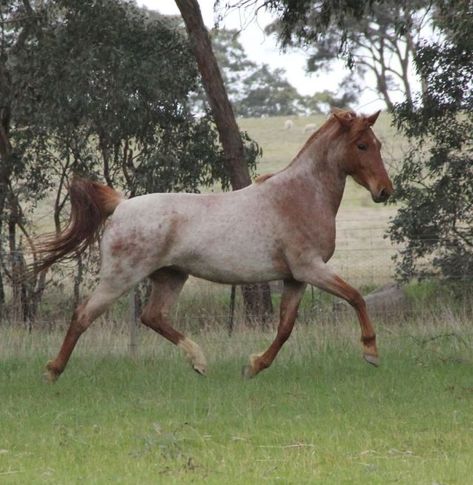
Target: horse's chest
(311, 240)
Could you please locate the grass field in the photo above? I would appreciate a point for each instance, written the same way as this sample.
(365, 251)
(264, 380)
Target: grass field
(319, 415)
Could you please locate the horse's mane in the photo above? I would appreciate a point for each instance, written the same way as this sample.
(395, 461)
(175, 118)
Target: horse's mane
(317, 134)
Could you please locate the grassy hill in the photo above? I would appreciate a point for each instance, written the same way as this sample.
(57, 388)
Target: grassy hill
(280, 146)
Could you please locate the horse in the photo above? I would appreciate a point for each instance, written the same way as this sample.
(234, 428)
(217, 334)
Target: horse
(282, 227)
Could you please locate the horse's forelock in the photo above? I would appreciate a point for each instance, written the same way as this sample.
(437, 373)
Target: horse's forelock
(360, 125)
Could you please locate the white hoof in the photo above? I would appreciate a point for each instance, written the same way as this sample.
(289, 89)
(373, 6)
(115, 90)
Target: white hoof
(371, 359)
(194, 355)
(250, 370)
(50, 375)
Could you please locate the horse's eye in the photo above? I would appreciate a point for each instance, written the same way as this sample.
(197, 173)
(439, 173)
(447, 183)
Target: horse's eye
(362, 146)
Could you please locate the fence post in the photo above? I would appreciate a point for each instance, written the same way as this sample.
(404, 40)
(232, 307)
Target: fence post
(132, 344)
(231, 316)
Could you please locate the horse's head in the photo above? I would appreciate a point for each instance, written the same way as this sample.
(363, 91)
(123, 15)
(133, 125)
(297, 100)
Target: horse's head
(360, 153)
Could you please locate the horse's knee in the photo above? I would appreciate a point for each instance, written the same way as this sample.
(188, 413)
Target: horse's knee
(357, 301)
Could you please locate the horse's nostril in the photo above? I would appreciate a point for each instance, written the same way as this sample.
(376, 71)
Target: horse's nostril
(383, 195)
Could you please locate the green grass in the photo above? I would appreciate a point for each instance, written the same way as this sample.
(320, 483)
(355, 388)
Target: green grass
(319, 415)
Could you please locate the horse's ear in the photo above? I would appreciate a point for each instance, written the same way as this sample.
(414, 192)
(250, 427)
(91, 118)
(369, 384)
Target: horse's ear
(372, 119)
(345, 118)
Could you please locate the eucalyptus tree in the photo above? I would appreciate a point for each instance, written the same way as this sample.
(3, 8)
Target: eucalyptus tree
(257, 298)
(376, 37)
(435, 184)
(266, 92)
(98, 88)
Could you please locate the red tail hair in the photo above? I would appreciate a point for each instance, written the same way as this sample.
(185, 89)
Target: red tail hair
(91, 204)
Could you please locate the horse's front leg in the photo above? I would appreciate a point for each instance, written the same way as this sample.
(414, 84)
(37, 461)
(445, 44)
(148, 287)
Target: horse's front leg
(318, 273)
(291, 297)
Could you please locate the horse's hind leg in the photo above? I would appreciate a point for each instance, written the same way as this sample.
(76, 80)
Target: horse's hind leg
(291, 297)
(166, 286)
(83, 316)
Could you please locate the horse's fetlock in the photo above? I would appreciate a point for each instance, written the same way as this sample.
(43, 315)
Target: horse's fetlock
(369, 340)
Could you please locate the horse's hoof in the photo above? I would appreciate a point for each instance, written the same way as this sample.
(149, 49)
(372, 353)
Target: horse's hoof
(50, 375)
(371, 359)
(253, 367)
(247, 372)
(200, 369)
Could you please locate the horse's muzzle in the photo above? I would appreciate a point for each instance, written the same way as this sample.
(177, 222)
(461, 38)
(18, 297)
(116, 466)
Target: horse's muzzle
(382, 195)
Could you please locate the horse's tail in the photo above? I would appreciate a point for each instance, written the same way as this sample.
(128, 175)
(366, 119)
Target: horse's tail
(91, 204)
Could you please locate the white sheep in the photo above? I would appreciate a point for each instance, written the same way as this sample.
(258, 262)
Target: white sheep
(288, 125)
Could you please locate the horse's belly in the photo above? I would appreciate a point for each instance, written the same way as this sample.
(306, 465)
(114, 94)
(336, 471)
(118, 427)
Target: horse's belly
(231, 270)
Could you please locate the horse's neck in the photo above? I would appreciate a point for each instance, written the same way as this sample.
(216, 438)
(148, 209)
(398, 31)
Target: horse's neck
(326, 181)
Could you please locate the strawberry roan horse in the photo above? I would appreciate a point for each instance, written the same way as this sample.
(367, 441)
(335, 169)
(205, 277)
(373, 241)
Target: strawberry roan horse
(280, 228)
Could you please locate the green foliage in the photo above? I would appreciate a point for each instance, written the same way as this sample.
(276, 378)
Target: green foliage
(378, 38)
(434, 223)
(267, 93)
(256, 90)
(108, 93)
(99, 89)
(232, 59)
(308, 19)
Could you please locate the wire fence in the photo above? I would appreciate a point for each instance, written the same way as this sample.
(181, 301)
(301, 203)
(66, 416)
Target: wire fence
(363, 257)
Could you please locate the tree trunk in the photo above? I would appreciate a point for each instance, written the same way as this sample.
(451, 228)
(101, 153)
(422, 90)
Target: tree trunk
(15, 268)
(258, 303)
(78, 281)
(5, 151)
(227, 127)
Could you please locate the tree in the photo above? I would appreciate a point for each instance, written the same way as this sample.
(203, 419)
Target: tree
(374, 36)
(233, 61)
(435, 183)
(256, 90)
(267, 93)
(98, 89)
(382, 43)
(257, 297)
